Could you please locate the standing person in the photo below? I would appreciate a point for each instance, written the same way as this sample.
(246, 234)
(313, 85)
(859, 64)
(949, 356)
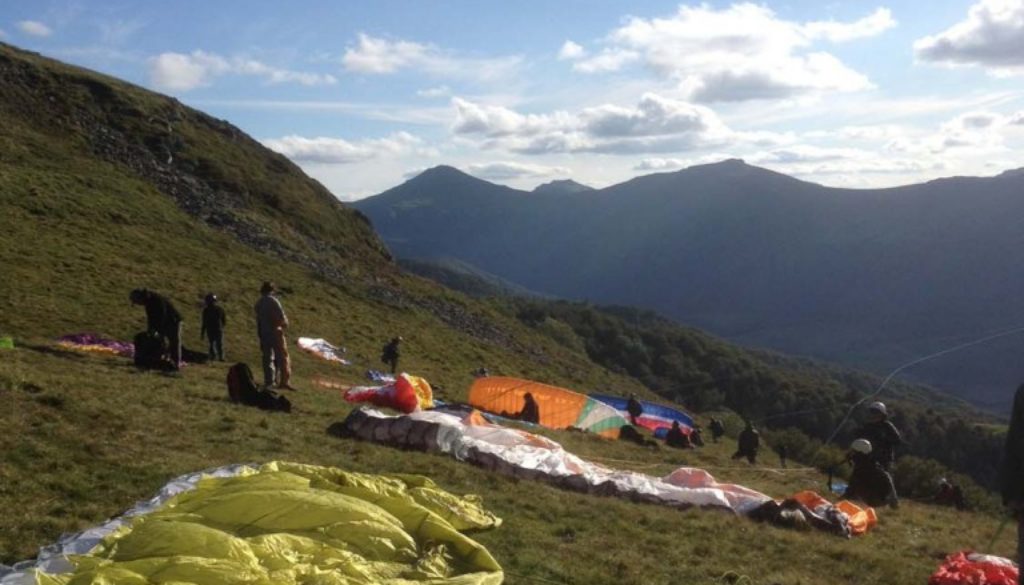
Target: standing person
(1012, 476)
(882, 434)
(717, 429)
(748, 444)
(634, 409)
(214, 320)
(270, 325)
(783, 453)
(162, 319)
(389, 354)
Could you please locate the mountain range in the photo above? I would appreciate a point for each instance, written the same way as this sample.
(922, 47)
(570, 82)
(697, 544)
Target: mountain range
(873, 278)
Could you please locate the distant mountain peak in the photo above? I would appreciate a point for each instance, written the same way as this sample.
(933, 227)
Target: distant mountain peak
(561, 186)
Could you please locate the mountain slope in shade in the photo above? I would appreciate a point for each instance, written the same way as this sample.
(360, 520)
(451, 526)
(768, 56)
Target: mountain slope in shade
(872, 278)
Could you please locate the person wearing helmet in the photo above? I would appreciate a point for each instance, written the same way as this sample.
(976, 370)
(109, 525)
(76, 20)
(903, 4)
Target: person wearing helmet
(214, 320)
(869, 482)
(882, 434)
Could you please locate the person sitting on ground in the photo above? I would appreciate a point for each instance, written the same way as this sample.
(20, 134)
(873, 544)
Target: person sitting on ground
(634, 409)
(869, 481)
(162, 320)
(214, 320)
(677, 438)
(882, 434)
(390, 353)
(696, 436)
(951, 495)
(531, 410)
(630, 433)
(717, 429)
(271, 323)
(748, 444)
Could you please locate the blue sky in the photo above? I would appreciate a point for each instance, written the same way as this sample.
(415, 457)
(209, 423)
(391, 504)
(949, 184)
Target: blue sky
(364, 94)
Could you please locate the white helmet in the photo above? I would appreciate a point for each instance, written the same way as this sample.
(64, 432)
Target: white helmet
(878, 407)
(862, 446)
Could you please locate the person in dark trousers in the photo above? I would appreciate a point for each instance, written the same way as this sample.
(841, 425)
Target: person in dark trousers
(270, 325)
(634, 409)
(162, 319)
(531, 410)
(214, 320)
(748, 444)
(882, 435)
(1012, 472)
(696, 436)
(677, 438)
(390, 353)
(717, 429)
(783, 453)
(869, 482)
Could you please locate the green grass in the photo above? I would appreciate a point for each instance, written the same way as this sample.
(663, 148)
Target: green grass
(85, 436)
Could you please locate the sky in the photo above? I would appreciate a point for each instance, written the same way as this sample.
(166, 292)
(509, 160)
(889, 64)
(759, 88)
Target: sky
(364, 95)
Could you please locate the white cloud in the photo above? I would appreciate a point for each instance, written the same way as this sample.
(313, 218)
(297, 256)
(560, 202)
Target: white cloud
(377, 56)
(435, 92)
(340, 151)
(571, 51)
(655, 124)
(1016, 119)
(607, 60)
(184, 72)
(743, 52)
(992, 36)
(505, 170)
(34, 28)
(872, 25)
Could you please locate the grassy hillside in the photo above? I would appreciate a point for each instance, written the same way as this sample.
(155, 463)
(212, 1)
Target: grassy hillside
(86, 436)
(93, 204)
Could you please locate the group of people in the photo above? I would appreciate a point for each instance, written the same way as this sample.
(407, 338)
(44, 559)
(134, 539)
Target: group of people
(164, 322)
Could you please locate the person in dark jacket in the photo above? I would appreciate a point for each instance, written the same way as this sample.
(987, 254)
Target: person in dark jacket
(389, 354)
(697, 436)
(161, 319)
(748, 444)
(531, 410)
(882, 434)
(869, 481)
(783, 453)
(717, 429)
(1012, 473)
(214, 320)
(634, 409)
(677, 438)
(950, 494)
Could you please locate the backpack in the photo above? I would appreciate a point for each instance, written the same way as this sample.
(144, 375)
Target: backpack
(242, 389)
(149, 351)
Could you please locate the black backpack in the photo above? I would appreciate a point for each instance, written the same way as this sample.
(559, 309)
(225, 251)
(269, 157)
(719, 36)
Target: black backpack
(242, 389)
(149, 351)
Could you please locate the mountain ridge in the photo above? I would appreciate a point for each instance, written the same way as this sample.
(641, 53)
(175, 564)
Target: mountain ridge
(866, 277)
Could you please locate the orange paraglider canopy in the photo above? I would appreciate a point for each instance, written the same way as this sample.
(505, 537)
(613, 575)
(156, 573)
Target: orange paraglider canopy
(559, 408)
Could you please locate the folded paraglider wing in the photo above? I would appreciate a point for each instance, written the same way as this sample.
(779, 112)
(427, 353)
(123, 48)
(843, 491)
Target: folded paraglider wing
(559, 408)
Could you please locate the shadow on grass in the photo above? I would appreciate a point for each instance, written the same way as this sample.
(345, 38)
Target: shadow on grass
(54, 351)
